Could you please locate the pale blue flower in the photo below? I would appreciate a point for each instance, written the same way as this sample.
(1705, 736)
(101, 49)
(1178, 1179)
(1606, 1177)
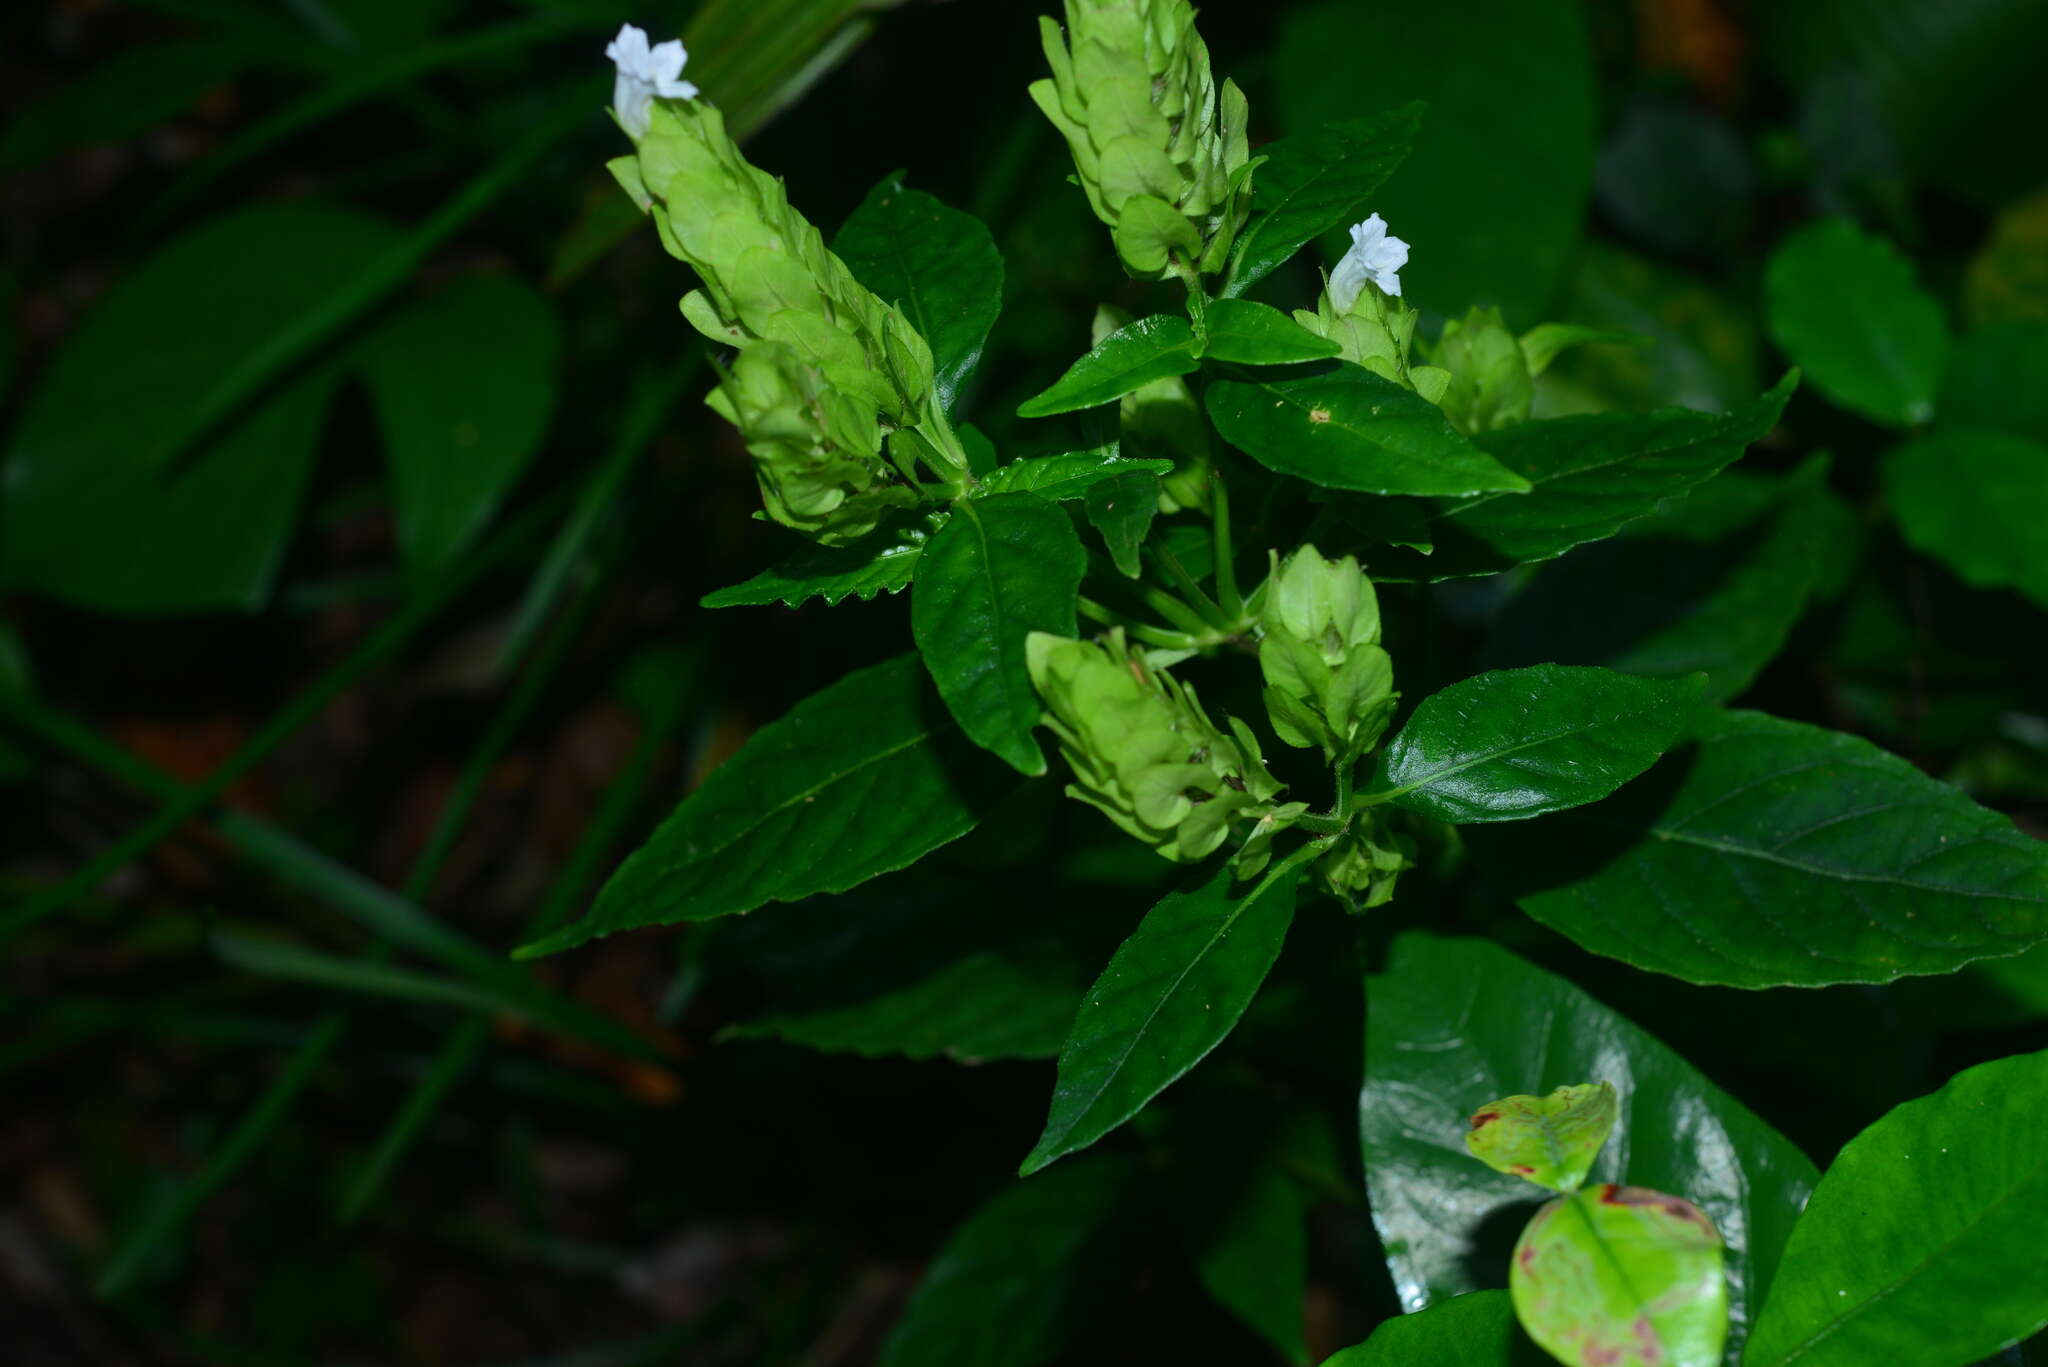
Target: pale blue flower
(1373, 256)
(645, 72)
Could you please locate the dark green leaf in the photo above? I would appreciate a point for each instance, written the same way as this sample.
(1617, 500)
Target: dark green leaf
(1122, 509)
(463, 384)
(1994, 381)
(1703, 340)
(935, 263)
(1588, 477)
(1923, 1241)
(1252, 1254)
(120, 97)
(1517, 743)
(1977, 502)
(1775, 854)
(1316, 181)
(868, 776)
(1169, 996)
(1843, 306)
(1010, 1285)
(883, 561)
(1001, 568)
(1346, 428)
(1476, 1329)
(1454, 1024)
(1128, 359)
(1495, 193)
(1254, 334)
(1070, 475)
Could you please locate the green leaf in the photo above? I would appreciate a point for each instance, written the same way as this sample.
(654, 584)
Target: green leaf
(1169, 996)
(1068, 475)
(1588, 476)
(1128, 359)
(1122, 510)
(1977, 502)
(1842, 304)
(1477, 1329)
(1994, 381)
(1250, 1245)
(102, 509)
(1001, 568)
(1494, 195)
(935, 263)
(1450, 1023)
(867, 776)
(1769, 854)
(883, 561)
(1549, 1140)
(1255, 334)
(1622, 1274)
(1517, 743)
(128, 93)
(1346, 428)
(1923, 1241)
(1316, 181)
(1011, 1284)
(463, 384)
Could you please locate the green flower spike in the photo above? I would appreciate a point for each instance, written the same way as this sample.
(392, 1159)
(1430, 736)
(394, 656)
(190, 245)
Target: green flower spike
(1360, 309)
(1361, 868)
(1328, 682)
(1143, 751)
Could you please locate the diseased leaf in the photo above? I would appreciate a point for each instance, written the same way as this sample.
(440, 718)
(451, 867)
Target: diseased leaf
(1843, 306)
(1477, 1329)
(1978, 503)
(1346, 428)
(1169, 996)
(935, 263)
(863, 778)
(1770, 853)
(1448, 1021)
(1549, 1140)
(1001, 568)
(1517, 743)
(1061, 477)
(1122, 510)
(1922, 1242)
(1256, 334)
(1127, 360)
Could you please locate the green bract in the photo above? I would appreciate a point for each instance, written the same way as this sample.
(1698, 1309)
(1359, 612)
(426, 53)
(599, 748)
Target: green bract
(1161, 152)
(1328, 682)
(1376, 331)
(1361, 867)
(1142, 750)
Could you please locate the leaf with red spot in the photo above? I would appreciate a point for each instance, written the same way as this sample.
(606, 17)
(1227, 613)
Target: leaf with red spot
(1549, 1140)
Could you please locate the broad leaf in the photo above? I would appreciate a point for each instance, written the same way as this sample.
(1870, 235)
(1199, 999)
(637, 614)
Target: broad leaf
(1061, 477)
(1346, 428)
(1256, 334)
(1253, 1257)
(1122, 510)
(1977, 502)
(865, 777)
(1001, 568)
(883, 561)
(1588, 477)
(1128, 359)
(1477, 1329)
(463, 384)
(1015, 1279)
(1994, 381)
(1169, 996)
(1769, 853)
(1316, 181)
(935, 263)
(1517, 743)
(1450, 1023)
(1844, 308)
(1923, 1241)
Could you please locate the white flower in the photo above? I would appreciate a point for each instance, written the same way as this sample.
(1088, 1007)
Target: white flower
(1373, 256)
(645, 72)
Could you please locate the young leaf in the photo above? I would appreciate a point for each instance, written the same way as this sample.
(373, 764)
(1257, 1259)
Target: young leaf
(1477, 1329)
(1588, 476)
(1346, 428)
(1061, 477)
(1011, 1284)
(1549, 1140)
(1001, 568)
(1622, 1277)
(1128, 359)
(1923, 1241)
(935, 263)
(1977, 502)
(1770, 853)
(1844, 308)
(1517, 743)
(1169, 996)
(868, 776)
(1256, 334)
(1467, 1010)
(1316, 181)
(1122, 510)
(883, 561)
(463, 384)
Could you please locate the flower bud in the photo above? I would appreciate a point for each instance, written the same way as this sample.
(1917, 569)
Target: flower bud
(1328, 682)
(1143, 751)
(1361, 868)
(1490, 385)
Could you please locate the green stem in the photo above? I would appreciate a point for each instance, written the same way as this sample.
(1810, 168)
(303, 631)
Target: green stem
(1202, 603)
(1154, 636)
(1226, 569)
(1320, 825)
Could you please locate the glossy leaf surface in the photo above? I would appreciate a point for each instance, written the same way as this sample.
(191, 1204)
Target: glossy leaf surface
(1316, 181)
(1128, 359)
(1066, 476)
(883, 561)
(1122, 510)
(1476, 1329)
(1844, 308)
(1257, 334)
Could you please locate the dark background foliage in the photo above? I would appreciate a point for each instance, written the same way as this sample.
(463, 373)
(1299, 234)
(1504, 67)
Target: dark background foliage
(205, 1035)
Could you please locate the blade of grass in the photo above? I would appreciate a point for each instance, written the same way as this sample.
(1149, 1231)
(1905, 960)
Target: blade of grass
(360, 974)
